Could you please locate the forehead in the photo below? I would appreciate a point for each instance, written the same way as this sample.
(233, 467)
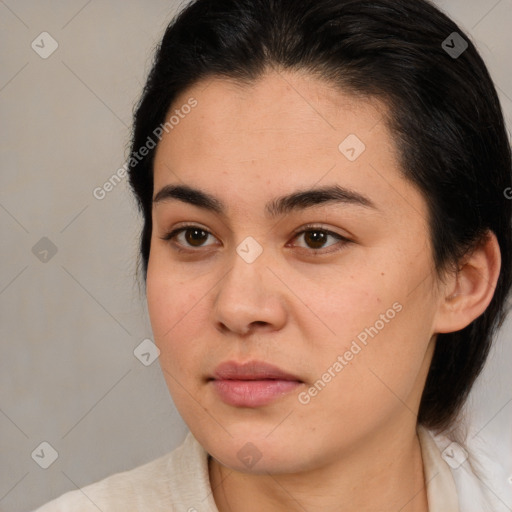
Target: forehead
(282, 132)
(296, 106)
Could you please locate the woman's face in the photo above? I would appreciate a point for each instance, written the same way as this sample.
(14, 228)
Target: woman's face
(334, 290)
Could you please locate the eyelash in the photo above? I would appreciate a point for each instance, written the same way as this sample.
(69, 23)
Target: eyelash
(305, 229)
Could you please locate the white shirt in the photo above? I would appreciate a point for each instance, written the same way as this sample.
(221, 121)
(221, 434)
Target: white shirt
(179, 482)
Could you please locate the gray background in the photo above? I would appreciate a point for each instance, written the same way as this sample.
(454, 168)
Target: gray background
(69, 325)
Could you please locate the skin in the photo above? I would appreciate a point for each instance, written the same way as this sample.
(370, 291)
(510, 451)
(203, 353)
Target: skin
(354, 445)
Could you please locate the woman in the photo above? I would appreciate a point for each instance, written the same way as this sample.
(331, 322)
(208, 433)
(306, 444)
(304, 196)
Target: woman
(327, 253)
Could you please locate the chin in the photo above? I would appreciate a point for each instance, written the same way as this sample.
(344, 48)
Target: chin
(253, 450)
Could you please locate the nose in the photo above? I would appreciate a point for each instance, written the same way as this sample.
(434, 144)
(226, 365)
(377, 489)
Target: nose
(250, 298)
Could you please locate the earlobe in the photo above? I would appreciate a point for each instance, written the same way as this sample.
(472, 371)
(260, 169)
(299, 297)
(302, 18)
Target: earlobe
(472, 288)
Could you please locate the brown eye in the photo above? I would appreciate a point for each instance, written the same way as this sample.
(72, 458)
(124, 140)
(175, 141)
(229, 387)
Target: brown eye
(188, 236)
(316, 238)
(195, 236)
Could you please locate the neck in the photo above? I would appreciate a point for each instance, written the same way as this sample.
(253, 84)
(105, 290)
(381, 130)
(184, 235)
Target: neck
(382, 473)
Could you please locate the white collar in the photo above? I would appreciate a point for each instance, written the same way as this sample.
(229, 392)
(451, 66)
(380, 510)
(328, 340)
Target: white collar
(449, 488)
(441, 489)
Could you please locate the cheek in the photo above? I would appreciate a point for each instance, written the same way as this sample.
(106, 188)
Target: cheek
(374, 319)
(168, 303)
(173, 306)
(344, 300)
(176, 328)
(384, 358)
(357, 384)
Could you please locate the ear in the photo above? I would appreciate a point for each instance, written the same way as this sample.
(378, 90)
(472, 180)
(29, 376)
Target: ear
(468, 292)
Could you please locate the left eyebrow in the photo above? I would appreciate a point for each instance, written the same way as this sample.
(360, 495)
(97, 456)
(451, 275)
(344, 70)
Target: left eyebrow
(280, 206)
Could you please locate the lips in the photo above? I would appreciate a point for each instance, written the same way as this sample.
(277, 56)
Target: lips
(252, 384)
(252, 370)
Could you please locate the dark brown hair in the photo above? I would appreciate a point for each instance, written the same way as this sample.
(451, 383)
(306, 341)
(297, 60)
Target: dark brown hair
(445, 117)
